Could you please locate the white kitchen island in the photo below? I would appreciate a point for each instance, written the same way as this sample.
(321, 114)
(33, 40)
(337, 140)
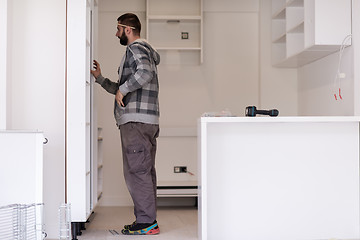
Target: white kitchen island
(282, 178)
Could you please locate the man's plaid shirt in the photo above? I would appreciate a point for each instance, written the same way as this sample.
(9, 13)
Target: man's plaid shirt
(138, 82)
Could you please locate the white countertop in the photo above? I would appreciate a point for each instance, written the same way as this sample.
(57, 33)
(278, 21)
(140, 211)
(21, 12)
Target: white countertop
(319, 119)
(20, 131)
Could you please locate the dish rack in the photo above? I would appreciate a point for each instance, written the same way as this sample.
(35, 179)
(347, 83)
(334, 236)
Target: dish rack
(22, 222)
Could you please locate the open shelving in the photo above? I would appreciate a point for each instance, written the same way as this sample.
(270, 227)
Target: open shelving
(301, 32)
(167, 20)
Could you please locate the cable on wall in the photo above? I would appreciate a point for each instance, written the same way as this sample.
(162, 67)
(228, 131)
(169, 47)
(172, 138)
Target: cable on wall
(340, 75)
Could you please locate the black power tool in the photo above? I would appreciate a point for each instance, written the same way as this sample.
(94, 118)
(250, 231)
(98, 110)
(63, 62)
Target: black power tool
(251, 111)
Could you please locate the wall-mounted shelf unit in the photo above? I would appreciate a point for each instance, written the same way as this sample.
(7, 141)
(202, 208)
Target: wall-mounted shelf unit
(168, 20)
(301, 31)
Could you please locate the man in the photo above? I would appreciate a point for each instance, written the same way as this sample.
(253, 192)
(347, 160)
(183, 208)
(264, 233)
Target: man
(137, 115)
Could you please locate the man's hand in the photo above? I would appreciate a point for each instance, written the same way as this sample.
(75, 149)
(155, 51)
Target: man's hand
(119, 98)
(97, 70)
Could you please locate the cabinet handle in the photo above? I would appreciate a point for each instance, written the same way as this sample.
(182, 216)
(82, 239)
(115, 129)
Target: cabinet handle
(173, 21)
(46, 141)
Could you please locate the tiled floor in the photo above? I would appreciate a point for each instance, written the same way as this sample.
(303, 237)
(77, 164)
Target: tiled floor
(174, 222)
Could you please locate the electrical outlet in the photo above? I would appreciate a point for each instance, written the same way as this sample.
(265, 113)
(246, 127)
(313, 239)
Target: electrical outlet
(184, 35)
(342, 75)
(180, 169)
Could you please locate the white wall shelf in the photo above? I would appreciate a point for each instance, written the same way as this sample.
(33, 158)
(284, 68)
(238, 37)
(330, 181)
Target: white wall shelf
(301, 32)
(294, 17)
(299, 28)
(295, 3)
(166, 20)
(278, 29)
(180, 48)
(280, 14)
(278, 9)
(280, 39)
(174, 17)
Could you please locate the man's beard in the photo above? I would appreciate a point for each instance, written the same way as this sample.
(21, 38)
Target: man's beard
(123, 39)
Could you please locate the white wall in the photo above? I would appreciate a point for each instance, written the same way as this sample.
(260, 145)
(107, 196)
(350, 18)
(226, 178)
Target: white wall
(316, 80)
(109, 55)
(278, 86)
(316, 87)
(37, 71)
(356, 46)
(236, 73)
(3, 62)
(228, 79)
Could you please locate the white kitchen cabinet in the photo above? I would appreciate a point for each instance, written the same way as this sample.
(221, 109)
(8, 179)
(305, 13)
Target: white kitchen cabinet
(176, 26)
(81, 124)
(306, 30)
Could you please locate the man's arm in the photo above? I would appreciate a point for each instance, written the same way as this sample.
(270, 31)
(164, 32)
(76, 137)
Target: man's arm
(107, 84)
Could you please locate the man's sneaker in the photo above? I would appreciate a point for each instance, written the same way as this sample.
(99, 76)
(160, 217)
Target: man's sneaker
(141, 229)
(130, 225)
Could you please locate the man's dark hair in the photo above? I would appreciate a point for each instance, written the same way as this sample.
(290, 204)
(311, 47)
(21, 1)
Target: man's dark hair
(131, 20)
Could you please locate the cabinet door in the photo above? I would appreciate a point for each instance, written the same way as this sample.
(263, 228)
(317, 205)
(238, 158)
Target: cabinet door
(80, 142)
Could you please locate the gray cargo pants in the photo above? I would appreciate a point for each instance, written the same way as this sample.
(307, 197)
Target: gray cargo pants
(138, 142)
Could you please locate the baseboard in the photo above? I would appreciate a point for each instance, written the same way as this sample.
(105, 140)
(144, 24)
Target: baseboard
(177, 191)
(177, 202)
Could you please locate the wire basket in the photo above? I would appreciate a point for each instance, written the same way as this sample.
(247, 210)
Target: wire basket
(22, 222)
